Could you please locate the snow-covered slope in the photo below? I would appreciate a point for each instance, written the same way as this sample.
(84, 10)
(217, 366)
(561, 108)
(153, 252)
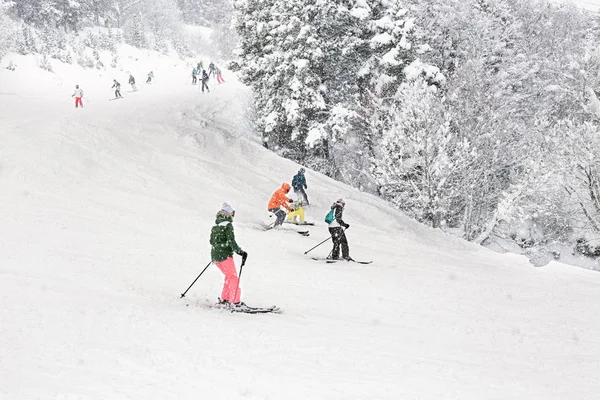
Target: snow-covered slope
(105, 217)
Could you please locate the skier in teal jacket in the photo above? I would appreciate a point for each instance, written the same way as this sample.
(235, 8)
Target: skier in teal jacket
(299, 185)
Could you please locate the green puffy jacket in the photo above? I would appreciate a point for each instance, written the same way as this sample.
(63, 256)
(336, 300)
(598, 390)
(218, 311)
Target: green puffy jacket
(222, 239)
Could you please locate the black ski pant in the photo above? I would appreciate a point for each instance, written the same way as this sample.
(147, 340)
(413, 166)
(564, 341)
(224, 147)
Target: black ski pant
(194, 80)
(118, 93)
(280, 214)
(205, 85)
(339, 239)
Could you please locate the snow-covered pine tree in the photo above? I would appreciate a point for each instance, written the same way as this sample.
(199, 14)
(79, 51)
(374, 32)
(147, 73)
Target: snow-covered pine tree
(49, 40)
(181, 46)
(282, 58)
(420, 156)
(111, 41)
(45, 63)
(251, 20)
(224, 38)
(331, 145)
(387, 47)
(205, 12)
(29, 11)
(163, 20)
(122, 12)
(388, 53)
(7, 29)
(369, 64)
(134, 32)
(69, 15)
(98, 12)
(300, 58)
(97, 61)
(22, 40)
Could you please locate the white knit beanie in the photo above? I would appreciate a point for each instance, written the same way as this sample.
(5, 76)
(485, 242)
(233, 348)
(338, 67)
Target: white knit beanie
(227, 208)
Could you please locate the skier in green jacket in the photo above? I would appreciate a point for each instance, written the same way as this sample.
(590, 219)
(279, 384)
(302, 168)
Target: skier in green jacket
(222, 240)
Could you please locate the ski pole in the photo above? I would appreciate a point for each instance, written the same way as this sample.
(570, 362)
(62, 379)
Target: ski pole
(308, 251)
(205, 268)
(240, 276)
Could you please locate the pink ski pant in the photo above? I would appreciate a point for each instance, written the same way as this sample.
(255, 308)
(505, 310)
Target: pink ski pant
(231, 290)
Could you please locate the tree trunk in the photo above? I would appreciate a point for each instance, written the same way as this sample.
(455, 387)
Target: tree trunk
(589, 217)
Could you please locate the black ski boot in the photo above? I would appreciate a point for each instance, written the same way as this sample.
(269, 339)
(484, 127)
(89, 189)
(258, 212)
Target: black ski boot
(223, 303)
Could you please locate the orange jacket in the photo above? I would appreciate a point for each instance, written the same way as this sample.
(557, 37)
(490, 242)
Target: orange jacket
(279, 198)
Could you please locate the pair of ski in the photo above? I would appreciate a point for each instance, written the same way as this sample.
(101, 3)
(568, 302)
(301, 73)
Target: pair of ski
(245, 309)
(332, 261)
(300, 223)
(303, 233)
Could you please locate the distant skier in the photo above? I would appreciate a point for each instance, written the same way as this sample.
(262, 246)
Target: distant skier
(150, 77)
(132, 82)
(78, 94)
(211, 69)
(200, 67)
(205, 81)
(194, 76)
(222, 240)
(219, 76)
(117, 86)
(278, 200)
(299, 185)
(337, 226)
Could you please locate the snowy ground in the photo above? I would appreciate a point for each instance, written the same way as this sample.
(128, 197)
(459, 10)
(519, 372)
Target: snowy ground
(104, 221)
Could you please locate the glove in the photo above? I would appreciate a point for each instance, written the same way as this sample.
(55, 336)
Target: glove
(347, 226)
(244, 256)
(291, 200)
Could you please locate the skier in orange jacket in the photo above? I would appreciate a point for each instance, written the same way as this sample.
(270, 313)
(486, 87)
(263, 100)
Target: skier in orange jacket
(278, 200)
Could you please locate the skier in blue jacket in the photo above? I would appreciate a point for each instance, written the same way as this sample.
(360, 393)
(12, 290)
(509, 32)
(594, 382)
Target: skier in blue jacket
(299, 186)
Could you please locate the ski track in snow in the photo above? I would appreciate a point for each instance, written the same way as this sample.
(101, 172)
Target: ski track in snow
(105, 221)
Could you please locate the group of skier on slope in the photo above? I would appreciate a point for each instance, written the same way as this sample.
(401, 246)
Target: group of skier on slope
(117, 86)
(78, 94)
(199, 71)
(223, 243)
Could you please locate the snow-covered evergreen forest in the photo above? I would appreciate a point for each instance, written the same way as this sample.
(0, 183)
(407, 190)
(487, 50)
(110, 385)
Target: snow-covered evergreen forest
(478, 117)
(58, 29)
